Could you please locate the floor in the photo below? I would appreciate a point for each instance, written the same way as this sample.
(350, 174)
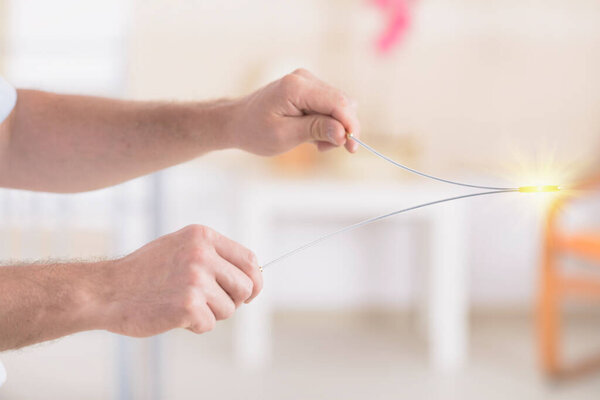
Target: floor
(379, 357)
(316, 356)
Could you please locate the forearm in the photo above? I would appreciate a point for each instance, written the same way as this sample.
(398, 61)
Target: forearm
(187, 279)
(46, 301)
(66, 143)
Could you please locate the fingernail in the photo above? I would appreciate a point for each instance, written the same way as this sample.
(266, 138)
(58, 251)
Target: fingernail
(330, 136)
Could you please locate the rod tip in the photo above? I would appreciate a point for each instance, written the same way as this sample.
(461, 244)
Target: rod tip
(539, 189)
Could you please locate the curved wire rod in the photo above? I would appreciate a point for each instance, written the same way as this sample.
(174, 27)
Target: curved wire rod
(414, 171)
(375, 219)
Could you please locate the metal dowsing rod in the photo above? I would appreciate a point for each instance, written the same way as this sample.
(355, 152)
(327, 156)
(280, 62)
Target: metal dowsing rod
(489, 190)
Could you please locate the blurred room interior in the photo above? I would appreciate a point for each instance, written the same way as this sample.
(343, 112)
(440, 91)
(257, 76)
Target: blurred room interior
(480, 90)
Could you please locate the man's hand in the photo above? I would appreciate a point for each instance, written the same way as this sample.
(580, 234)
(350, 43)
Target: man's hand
(295, 109)
(188, 279)
(66, 143)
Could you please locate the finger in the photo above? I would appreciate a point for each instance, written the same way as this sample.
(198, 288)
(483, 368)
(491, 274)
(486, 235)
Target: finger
(312, 96)
(243, 259)
(320, 128)
(235, 282)
(203, 320)
(324, 146)
(310, 76)
(305, 73)
(326, 131)
(221, 305)
(352, 145)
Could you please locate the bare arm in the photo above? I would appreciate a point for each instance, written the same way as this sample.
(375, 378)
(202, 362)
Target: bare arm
(188, 279)
(44, 302)
(66, 143)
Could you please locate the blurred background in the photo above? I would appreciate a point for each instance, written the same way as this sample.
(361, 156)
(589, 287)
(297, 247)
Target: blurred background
(455, 302)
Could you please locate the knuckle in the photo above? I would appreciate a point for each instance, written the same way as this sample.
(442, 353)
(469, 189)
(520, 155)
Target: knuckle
(193, 276)
(199, 328)
(300, 71)
(197, 277)
(251, 258)
(200, 232)
(199, 255)
(345, 114)
(191, 230)
(290, 82)
(244, 288)
(194, 329)
(342, 100)
(228, 310)
(258, 283)
(338, 110)
(345, 98)
(208, 323)
(189, 302)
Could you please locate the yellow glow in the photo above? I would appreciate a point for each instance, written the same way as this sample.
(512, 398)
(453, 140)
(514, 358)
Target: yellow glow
(536, 170)
(539, 189)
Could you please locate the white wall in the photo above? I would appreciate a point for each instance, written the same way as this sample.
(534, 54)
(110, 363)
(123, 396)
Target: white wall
(490, 87)
(477, 83)
(67, 45)
(498, 89)
(473, 82)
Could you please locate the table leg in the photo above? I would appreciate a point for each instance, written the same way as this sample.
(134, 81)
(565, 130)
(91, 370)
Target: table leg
(252, 322)
(447, 289)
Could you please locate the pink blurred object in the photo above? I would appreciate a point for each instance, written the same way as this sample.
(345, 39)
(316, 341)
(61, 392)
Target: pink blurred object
(398, 19)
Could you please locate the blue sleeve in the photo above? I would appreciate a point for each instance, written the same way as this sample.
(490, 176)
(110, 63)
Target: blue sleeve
(8, 98)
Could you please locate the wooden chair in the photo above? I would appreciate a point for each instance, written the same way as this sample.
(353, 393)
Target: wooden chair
(555, 286)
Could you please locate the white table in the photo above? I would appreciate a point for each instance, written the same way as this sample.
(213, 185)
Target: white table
(2, 374)
(445, 308)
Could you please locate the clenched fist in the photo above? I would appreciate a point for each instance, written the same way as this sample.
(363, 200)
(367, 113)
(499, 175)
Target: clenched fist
(292, 110)
(188, 279)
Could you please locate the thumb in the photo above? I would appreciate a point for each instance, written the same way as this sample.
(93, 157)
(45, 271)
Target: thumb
(322, 128)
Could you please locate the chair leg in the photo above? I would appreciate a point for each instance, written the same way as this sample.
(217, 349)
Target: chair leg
(549, 314)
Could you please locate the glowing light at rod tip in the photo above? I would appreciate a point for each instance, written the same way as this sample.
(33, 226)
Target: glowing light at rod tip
(539, 189)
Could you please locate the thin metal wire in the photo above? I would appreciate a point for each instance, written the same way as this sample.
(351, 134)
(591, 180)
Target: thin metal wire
(414, 171)
(375, 219)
